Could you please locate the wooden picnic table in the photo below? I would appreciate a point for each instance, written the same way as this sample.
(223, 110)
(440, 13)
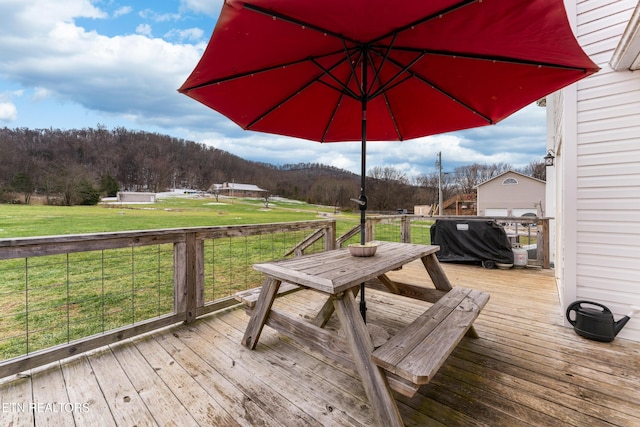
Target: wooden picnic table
(338, 275)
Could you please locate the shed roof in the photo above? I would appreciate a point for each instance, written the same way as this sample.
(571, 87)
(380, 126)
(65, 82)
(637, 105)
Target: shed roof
(238, 187)
(508, 172)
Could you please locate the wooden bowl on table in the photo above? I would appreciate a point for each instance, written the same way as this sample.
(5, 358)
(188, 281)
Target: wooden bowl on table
(368, 249)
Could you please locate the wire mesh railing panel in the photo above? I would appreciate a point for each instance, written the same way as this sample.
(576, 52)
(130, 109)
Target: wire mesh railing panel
(523, 235)
(389, 231)
(229, 261)
(60, 294)
(56, 299)
(152, 284)
(13, 303)
(421, 231)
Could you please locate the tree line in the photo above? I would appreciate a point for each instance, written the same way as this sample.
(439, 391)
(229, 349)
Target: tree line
(79, 166)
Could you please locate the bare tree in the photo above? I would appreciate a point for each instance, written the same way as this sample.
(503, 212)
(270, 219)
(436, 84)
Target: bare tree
(468, 177)
(22, 183)
(387, 188)
(536, 169)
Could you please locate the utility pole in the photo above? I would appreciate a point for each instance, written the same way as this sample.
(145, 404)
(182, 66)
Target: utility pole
(439, 166)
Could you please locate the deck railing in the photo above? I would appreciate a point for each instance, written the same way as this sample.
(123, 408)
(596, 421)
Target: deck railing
(528, 232)
(64, 295)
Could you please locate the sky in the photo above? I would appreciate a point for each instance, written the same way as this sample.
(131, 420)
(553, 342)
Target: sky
(118, 63)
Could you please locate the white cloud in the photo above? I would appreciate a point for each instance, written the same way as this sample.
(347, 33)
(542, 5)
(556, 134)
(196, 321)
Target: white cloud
(40, 93)
(144, 29)
(130, 75)
(124, 10)
(159, 17)
(190, 34)
(8, 112)
(208, 7)
(41, 13)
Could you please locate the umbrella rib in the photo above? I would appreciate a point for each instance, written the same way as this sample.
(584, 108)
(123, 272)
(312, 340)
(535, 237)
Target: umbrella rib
(345, 88)
(300, 89)
(504, 59)
(334, 112)
(442, 91)
(295, 21)
(354, 75)
(382, 90)
(384, 59)
(276, 106)
(256, 71)
(427, 18)
(389, 87)
(386, 86)
(393, 117)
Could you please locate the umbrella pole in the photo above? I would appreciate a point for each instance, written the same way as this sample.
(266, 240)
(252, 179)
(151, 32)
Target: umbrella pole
(363, 174)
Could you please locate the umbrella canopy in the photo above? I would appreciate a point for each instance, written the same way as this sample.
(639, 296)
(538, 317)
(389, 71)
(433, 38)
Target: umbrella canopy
(296, 68)
(349, 70)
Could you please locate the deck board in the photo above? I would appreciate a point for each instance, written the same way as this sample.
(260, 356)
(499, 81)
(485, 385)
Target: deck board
(83, 388)
(525, 369)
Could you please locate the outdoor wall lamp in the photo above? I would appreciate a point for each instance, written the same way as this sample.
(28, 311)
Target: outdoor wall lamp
(548, 159)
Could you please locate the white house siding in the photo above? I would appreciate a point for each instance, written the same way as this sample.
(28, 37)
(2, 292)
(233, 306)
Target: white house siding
(607, 170)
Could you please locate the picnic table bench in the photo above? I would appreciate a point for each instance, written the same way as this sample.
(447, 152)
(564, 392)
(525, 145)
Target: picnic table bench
(409, 359)
(419, 350)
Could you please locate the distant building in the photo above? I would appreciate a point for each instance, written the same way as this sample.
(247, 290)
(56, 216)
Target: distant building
(135, 197)
(511, 194)
(234, 189)
(422, 210)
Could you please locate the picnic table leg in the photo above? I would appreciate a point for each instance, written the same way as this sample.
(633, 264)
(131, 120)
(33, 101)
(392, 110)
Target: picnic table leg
(437, 274)
(325, 313)
(260, 312)
(373, 378)
(440, 280)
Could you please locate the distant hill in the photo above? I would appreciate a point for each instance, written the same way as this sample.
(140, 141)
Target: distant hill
(64, 165)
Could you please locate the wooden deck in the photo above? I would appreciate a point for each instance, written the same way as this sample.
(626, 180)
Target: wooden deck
(525, 369)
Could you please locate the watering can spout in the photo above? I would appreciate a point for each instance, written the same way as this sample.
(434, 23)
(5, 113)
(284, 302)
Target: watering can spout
(617, 327)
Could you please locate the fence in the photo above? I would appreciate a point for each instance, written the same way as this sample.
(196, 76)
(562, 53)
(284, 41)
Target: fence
(65, 295)
(531, 233)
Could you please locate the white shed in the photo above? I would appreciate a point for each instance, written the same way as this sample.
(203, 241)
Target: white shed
(135, 197)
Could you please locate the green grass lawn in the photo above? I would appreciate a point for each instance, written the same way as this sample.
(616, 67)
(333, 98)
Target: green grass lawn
(41, 220)
(54, 299)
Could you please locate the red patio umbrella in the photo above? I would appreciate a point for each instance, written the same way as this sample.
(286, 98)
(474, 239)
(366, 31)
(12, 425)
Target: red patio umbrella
(358, 70)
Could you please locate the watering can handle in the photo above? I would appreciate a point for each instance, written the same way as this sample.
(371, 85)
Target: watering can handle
(578, 304)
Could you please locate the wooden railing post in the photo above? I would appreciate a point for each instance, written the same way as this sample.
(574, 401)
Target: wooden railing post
(330, 234)
(199, 273)
(192, 274)
(179, 277)
(542, 252)
(405, 229)
(370, 229)
(186, 273)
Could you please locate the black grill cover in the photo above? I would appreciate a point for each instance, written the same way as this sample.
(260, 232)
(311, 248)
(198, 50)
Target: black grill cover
(471, 240)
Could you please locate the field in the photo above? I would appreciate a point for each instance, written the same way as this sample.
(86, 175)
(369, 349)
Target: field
(55, 299)
(177, 212)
